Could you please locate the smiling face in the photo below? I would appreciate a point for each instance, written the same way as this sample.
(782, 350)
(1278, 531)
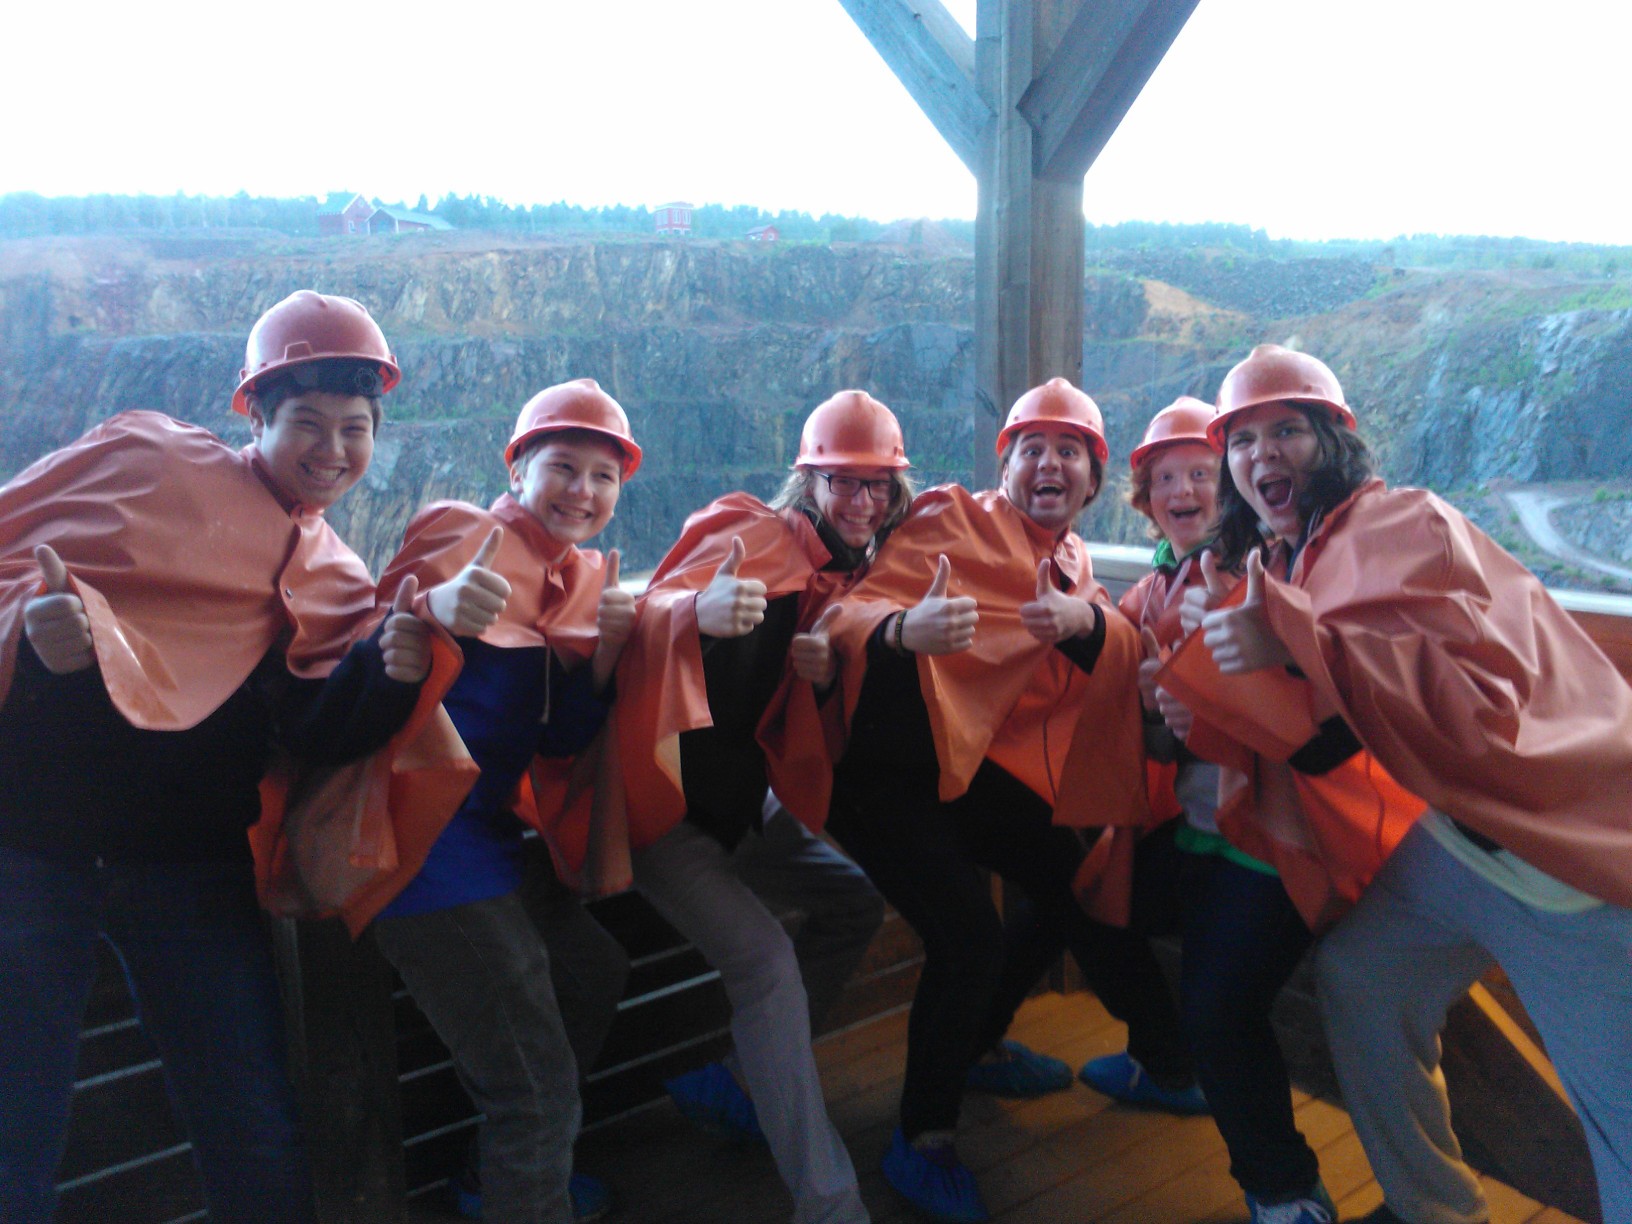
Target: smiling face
(1271, 450)
(1049, 475)
(317, 444)
(1184, 493)
(856, 517)
(569, 484)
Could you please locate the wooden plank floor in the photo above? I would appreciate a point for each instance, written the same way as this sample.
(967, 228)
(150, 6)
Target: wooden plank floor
(1070, 1158)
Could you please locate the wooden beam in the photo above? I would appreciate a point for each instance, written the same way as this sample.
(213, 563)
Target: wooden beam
(931, 55)
(1102, 63)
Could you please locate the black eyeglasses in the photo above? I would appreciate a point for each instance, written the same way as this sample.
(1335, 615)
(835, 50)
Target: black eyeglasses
(880, 490)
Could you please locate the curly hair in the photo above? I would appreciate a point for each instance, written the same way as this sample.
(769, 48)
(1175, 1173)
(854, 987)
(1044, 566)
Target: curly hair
(1345, 463)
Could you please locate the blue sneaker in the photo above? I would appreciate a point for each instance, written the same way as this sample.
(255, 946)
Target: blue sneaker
(934, 1181)
(1120, 1077)
(711, 1098)
(1315, 1207)
(1020, 1072)
(591, 1200)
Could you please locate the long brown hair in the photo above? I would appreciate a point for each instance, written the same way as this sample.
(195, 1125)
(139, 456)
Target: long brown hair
(1345, 464)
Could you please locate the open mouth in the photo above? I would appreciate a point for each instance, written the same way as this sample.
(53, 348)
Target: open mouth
(573, 513)
(1048, 490)
(1276, 492)
(1184, 516)
(323, 476)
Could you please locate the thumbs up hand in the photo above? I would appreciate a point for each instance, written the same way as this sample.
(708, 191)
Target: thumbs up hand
(1148, 667)
(615, 615)
(469, 602)
(55, 622)
(729, 606)
(812, 652)
(1198, 601)
(940, 624)
(1241, 638)
(614, 622)
(1054, 616)
(1175, 714)
(406, 642)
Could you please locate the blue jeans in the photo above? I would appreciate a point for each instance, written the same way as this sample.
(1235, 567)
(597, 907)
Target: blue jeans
(195, 952)
(1242, 940)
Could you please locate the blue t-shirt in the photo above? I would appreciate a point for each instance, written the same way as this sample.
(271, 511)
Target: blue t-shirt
(508, 704)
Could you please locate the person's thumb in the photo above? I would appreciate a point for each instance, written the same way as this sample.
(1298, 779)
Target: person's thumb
(1255, 579)
(943, 576)
(1147, 639)
(733, 559)
(403, 602)
(824, 623)
(1211, 576)
(609, 581)
(489, 549)
(1045, 577)
(52, 569)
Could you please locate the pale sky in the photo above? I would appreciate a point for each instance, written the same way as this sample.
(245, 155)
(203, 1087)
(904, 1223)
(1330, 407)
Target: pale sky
(1308, 118)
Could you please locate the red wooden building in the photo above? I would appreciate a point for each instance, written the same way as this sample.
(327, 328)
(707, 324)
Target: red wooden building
(344, 212)
(347, 213)
(673, 218)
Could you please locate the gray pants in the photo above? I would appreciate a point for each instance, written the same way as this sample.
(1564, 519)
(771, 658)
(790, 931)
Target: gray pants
(1420, 936)
(789, 867)
(481, 975)
(691, 880)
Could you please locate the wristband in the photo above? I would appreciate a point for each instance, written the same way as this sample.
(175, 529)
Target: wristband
(900, 627)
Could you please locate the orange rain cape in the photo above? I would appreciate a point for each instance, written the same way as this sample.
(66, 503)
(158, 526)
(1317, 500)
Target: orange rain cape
(1075, 739)
(1153, 603)
(661, 690)
(553, 602)
(1105, 880)
(1459, 674)
(190, 570)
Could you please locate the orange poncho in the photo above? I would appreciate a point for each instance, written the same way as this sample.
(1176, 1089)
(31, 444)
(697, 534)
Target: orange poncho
(1459, 674)
(552, 603)
(1076, 740)
(191, 570)
(661, 690)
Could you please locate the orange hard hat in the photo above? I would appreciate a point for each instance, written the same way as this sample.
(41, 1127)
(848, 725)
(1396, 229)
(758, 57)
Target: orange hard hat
(1271, 374)
(1057, 402)
(1184, 420)
(306, 327)
(851, 429)
(579, 404)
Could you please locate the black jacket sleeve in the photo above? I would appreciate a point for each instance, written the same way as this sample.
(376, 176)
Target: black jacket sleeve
(352, 712)
(1085, 651)
(1333, 744)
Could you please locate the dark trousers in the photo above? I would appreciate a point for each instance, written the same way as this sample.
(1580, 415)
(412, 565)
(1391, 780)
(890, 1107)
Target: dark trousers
(1242, 940)
(929, 860)
(195, 950)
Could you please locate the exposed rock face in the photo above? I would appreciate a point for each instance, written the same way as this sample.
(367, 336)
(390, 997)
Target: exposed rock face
(719, 350)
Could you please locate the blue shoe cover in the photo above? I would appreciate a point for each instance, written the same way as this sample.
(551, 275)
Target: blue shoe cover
(1022, 1072)
(711, 1098)
(934, 1181)
(1120, 1077)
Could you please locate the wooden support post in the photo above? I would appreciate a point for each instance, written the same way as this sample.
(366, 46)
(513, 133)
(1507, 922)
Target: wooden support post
(342, 1057)
(1028, 111)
